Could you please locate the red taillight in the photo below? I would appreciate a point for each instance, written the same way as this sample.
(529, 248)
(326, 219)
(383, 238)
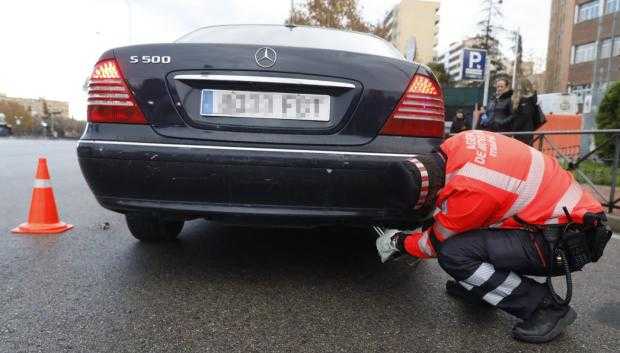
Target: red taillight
(420, 111)
(109, 97)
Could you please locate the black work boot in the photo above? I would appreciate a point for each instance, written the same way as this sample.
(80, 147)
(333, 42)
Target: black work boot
(455, 290)
(546, 323)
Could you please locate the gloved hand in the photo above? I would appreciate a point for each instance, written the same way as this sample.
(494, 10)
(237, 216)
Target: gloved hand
(390, 244)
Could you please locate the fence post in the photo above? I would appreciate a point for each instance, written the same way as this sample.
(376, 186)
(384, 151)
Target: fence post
(614, 174)
(541, 143)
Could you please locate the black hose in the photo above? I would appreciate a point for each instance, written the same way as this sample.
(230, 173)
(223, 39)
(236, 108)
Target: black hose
(558, 253)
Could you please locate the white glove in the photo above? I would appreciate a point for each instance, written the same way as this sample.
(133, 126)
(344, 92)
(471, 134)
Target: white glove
(386, 245)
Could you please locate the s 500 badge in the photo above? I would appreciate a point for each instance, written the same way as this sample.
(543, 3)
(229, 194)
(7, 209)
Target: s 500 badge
(149, 59)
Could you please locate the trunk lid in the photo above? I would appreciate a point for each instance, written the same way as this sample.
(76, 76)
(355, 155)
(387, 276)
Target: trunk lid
(363, 90)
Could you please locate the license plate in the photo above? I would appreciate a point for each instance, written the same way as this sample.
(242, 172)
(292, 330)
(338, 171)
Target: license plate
(265, 105)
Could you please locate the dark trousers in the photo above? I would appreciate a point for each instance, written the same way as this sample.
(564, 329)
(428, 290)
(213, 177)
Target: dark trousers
(492, 263)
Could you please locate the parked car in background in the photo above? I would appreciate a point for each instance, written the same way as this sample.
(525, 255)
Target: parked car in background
(5, 130)
(260, 124)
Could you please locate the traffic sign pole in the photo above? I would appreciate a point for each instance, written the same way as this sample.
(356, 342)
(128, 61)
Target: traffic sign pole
(487, 83)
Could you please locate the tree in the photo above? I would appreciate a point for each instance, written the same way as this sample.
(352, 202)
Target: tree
(340, 14)
(494, 54)
(46, 116)
(68, 127)
(24, 124)
(46, 109)
(15, 112)
(442, 76)
(489, 31)
(517, 48)
(608, 117)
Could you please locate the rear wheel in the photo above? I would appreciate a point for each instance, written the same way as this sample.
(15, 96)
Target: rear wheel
(151, 228)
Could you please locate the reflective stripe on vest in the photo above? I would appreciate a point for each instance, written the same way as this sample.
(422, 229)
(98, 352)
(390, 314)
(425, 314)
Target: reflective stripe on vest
(529, 188)
(525, 190)
(442, 233)
(490, 176)
(570, 199)
(424, 245)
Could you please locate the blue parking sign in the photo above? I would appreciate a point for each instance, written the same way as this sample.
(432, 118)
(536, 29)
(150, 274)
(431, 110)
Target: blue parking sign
(474, 64)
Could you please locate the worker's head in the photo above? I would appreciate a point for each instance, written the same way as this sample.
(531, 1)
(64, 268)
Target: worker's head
(502, 86)
(460, 114)
(416, 182)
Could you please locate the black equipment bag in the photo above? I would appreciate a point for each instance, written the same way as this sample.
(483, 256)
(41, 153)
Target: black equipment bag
(600, 234)
(572, 246)
(577, 249)
(581, 243)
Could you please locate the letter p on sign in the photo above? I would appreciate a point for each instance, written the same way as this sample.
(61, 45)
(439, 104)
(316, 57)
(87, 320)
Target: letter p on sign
(475, 60)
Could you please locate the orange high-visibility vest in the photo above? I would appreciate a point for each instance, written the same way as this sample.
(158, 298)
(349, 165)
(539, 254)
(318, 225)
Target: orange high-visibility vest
(490, 179)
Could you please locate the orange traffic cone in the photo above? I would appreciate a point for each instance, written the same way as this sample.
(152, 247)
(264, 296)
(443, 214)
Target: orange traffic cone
(43, 216)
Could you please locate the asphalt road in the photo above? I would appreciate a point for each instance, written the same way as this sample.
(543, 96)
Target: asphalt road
(221, 289)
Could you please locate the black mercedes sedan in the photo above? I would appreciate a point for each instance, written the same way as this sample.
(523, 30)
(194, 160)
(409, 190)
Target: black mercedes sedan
(260, 124)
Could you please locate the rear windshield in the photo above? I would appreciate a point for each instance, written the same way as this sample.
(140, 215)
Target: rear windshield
(302, 37)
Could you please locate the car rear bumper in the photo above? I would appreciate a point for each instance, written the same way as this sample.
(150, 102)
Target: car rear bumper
(250, 185)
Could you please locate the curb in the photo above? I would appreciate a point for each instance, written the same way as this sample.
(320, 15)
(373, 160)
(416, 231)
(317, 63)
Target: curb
(614, 222)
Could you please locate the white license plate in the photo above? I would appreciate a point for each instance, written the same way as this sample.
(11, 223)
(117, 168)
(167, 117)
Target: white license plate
(265, 105)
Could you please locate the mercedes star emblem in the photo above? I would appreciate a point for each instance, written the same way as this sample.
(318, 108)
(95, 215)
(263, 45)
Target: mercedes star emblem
(265, 57)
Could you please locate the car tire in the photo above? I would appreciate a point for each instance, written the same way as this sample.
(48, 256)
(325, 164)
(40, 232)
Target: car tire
(151, 228)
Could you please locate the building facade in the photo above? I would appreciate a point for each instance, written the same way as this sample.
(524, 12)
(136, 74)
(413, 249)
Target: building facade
(573, 45)
(36, 106)
(414, 28)
(559, 45)
(452, 59)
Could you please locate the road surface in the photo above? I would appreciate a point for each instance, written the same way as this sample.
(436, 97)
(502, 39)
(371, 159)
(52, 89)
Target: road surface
(223, 289)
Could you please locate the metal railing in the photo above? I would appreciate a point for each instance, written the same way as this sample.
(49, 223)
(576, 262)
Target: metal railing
(541, 140)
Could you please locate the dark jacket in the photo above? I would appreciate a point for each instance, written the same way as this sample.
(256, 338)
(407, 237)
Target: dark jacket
(501, 112)
(524, 117)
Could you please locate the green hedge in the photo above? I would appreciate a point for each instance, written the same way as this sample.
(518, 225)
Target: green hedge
(599, 173)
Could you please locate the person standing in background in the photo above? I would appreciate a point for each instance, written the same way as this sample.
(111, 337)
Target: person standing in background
(500, 110)
(459, 123)
(524, 113)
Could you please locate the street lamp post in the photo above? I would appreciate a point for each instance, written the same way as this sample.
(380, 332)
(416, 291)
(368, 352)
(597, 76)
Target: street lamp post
(487, 73)
(517, 52)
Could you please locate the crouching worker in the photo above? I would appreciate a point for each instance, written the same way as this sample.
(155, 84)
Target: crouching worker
(505, 211)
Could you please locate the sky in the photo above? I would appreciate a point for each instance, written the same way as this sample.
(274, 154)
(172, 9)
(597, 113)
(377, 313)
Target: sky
(48, 47)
